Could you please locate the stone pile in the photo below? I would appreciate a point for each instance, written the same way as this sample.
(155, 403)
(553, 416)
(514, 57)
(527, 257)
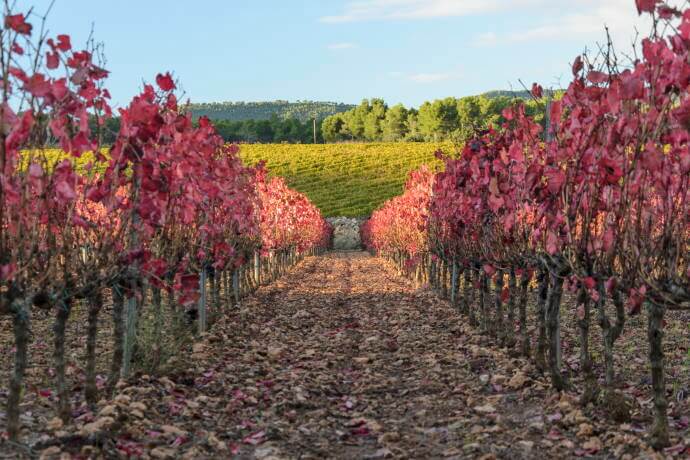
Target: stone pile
(346, 232)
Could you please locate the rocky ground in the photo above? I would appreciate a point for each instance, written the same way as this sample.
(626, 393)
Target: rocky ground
(341, 358)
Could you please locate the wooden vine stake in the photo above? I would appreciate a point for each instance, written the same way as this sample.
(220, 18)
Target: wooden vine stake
(236, 285)
(202, 302)
(454, 284)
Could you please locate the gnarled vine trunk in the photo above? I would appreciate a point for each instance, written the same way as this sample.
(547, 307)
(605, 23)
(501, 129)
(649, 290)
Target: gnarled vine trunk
(454, 277)
(510, 322)
(157, 301)
(63, 406)
(498, 322)
(610, 332)
(553, 325)
(118, 336)
(95, 300)
(583, 321)
(483, 294)
(20, 326)
(468, 296)
(524, 291)
(659, 437)
(543, 289)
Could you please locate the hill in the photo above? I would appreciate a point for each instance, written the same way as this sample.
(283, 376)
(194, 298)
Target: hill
(521, 94)
(345, 179)
(242, 111)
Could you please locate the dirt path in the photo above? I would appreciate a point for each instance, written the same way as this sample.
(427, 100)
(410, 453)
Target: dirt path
(341, 358)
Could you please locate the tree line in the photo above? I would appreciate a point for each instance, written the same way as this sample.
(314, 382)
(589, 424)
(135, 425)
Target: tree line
(303, 111)
(373, 120)
(442, 119)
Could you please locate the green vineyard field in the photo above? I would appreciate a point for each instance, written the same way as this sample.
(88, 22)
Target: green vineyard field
(345, 179)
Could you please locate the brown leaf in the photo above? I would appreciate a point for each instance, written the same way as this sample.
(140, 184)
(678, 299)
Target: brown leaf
(585, 430)
(517, 381)
(98, 425)
(592, 445)
(55, 424)
(163, 453)
(50, 453)
(485, 409)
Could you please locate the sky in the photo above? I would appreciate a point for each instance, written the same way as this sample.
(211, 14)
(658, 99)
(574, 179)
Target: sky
(405, 51)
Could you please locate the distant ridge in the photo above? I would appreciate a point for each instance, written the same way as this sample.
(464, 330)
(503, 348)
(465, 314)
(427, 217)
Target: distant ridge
(242, 111)
(512, 94)
(299, 110)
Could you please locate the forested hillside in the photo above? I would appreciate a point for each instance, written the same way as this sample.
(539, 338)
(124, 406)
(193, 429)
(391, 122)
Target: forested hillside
(373, 120)
(241, 111)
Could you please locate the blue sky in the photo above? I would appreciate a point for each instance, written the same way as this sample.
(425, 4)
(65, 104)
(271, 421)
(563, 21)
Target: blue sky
(404, 51)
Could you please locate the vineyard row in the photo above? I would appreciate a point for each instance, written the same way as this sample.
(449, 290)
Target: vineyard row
(598, 205)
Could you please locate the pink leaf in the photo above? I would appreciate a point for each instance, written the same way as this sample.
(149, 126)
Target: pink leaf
(52, 60)
(35, 170)
(65, 191)
(165, 82)
(256, 438)
(577, 65)
(555, 178)
(17, 23)
(597, 77)
(646, 6)
(64, 44)
(551, 243)
(537, 91)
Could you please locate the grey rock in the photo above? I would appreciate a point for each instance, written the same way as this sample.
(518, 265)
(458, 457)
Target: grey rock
(346, 232)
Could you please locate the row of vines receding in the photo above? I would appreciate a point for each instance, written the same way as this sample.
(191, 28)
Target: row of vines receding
(162, 221)
(597, 206)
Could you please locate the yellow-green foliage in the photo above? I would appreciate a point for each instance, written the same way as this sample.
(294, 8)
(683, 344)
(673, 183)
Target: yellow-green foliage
(341, 179)
(345, 179)
(50, 157)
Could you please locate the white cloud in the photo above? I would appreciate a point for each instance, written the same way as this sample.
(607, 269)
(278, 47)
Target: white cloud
(363, 10)
(620, 16)
(341, 46)
(551, 19)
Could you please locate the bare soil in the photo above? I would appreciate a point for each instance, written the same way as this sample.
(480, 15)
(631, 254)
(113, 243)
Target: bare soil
(342, 358)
